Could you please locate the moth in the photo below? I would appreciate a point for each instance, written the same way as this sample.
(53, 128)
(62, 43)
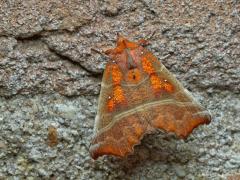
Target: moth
(52, 136)
(138, 96)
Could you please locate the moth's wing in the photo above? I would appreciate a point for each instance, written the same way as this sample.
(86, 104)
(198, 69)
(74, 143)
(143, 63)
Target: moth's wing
(119, 138)
(116, 132)
(175, 111)
(103, 118)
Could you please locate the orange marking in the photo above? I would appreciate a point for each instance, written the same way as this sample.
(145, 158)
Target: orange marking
(110, 105)
(131, 45)
(133, 76)
(168, 87)
(118, 95)
(156, 82)
(147, 66)
(116, 74)
(152, 58)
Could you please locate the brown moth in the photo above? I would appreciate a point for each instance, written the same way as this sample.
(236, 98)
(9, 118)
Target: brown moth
(139, 95)
(52, 136)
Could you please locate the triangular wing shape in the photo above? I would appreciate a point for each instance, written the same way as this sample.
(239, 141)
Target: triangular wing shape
(139, 95)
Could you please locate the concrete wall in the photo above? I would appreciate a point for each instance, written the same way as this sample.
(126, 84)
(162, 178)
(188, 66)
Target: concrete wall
(50, 76)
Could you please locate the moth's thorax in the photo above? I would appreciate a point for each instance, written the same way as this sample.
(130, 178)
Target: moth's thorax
(128, 58)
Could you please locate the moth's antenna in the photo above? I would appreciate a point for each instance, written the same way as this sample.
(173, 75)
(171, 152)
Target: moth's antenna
(151, 35)
(99, 52)
(145, 42)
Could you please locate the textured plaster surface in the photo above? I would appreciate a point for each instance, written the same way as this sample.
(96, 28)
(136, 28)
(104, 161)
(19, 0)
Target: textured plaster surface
(50, 75)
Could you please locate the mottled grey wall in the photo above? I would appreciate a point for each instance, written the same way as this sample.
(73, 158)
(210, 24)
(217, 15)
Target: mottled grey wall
(50, 75)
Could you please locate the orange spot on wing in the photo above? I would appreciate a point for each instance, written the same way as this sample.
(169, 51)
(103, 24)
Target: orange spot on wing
(118, 95)
(133, 76)
(156, 82)
(110, 105)
(147, 66)
(118, 98)
(152, 58)
(168, 87)
(116, 74)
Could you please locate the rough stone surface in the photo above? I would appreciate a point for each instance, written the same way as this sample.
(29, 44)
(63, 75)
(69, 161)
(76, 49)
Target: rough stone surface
(50, 74)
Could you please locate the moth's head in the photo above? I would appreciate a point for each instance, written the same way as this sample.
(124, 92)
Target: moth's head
(122, 44)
